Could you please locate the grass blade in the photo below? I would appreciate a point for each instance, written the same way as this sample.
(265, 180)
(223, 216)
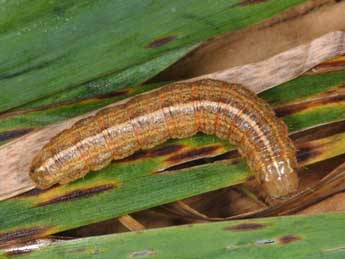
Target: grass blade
(55, 46)
(294, 236)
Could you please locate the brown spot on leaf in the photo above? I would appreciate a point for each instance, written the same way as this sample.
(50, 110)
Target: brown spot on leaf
(328, 66)
(338, 90)
(193, 153)
(17, 252)
(159, 42)
(318, 132)
(33, 192)
(136, 156)
(250, 2)
(165, 150)
(11, 134)
(289, 239)
(29, 246)
(116, 93)
(335, 98)
(287, 110)
(77, 194)
(305, 153)
(299, 106)
(231, 155)
(21, 235)
(246, 227)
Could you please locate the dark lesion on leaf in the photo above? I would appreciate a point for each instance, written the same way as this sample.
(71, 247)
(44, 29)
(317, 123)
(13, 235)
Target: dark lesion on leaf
(116, 93)
(246, 227)
(15, 133)
(330, 66)
(300, 106)
(289, 239)
(22, 234)
(9, 254)
(305, 153)
(77, 194)
(34, 192)
(193, 153)
(165, 150)
(160, 42)
(232, 155)
(250, 2)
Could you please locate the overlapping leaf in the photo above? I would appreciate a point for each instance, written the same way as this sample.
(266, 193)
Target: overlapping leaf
(92, 47)
(284, 237)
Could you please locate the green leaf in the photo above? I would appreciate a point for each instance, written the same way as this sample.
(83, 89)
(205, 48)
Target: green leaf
(51, 46)
(312, 237)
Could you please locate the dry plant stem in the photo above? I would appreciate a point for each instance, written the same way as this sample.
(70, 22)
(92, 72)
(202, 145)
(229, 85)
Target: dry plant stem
(285, 66)
(296, 26)
(22, 248)
(331, 184)
(181, 208)
(335, 203)
(16, 156)
(130, 223)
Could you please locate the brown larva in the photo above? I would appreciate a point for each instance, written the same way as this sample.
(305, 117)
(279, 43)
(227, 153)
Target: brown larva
(175, 111)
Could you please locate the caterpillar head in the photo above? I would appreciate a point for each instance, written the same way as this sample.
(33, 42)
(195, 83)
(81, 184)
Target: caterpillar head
(280, 179)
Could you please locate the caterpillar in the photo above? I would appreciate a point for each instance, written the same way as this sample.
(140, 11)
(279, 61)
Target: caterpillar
(179, 110)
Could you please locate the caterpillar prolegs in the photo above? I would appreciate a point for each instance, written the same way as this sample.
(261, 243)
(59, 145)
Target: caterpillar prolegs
(179, 110)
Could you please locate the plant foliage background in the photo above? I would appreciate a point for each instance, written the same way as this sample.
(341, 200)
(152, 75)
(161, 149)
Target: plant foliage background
(60, 59)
